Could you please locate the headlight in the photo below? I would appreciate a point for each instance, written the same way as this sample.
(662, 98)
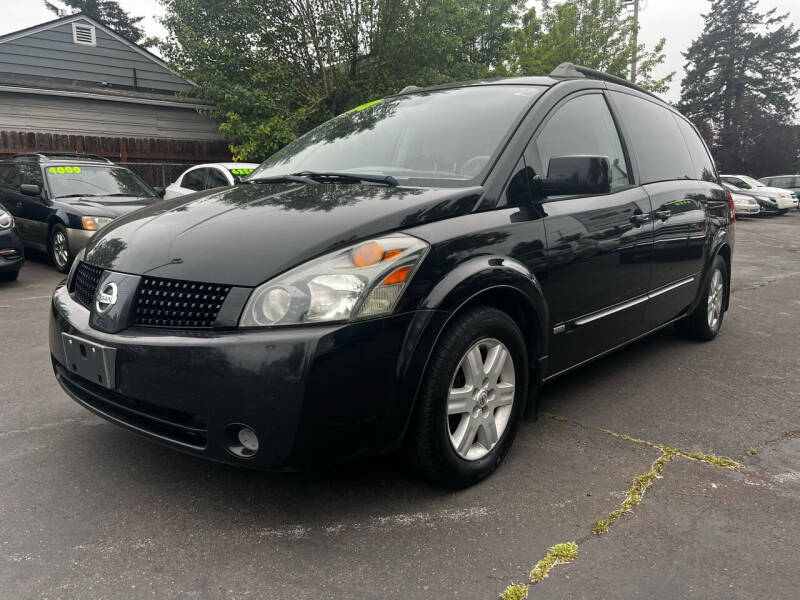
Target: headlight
(784, 195)
(93, 223)
(365, 280)
(6, 220)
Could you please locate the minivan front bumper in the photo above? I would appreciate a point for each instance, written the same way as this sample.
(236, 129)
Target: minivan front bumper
(313, 394)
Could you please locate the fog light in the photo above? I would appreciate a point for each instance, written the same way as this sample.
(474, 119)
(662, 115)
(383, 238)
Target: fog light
(241, 440)
(248, 439)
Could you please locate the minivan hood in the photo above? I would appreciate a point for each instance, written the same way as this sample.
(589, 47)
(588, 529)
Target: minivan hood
(247, 234)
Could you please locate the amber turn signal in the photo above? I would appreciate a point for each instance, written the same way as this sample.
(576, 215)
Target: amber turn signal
(398, 276)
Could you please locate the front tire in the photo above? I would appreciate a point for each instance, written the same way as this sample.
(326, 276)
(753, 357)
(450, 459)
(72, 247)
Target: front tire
(471, 400)
(9, 276)
(706, 320)
(58, 248)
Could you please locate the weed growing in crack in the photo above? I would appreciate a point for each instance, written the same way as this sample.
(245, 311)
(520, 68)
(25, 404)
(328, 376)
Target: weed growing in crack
(752, 451)
(557, 555)
(635, 493)
(518, 591)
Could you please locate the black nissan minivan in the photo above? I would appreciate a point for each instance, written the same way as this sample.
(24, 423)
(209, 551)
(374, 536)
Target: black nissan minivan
(404, 276)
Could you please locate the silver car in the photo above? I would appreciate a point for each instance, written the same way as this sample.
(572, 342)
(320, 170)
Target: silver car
(785, 199)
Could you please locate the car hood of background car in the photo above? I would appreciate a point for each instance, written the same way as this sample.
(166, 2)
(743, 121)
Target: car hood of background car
(771, 192)
(247, 234)
(106, 206)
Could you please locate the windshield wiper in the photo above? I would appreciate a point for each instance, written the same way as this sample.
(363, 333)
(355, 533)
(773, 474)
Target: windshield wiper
(78, 196)
(282, 179)
(334, 176)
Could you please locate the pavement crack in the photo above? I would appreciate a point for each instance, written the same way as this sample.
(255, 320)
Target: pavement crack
(568, 551)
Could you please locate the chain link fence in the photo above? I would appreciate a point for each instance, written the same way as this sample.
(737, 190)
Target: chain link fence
(157, 174)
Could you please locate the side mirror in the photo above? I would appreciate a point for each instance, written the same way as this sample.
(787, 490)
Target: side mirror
(30, 189)
(576, 175)
(160, 191)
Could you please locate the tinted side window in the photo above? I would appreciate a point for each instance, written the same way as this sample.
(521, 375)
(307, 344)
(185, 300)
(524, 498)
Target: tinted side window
(584, 126)
(703, 166)
(216, 179)
(5, 173)
(195, 180)
(31, 174)
(656, 139)
(13, 177)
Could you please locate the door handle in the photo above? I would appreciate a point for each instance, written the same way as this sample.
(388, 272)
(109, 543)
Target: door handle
(638, 220)
(663, 214)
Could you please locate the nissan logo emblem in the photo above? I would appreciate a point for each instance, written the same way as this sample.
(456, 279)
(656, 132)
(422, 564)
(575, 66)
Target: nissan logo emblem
(106, 298)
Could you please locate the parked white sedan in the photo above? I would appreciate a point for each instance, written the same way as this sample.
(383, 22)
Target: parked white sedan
(785, 199)
(207, 176)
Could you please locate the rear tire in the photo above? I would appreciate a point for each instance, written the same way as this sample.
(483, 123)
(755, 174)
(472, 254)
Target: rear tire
(471, 400)
(705, 322)
(58, 248)
(9, 276)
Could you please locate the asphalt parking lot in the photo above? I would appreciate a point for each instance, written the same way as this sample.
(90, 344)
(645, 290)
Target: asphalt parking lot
(88, 510)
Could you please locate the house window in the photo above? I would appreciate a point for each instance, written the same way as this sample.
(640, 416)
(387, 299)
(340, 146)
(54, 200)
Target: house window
(83, 33)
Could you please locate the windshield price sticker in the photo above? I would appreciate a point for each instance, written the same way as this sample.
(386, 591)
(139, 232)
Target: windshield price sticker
(241, 171)
(64, 170)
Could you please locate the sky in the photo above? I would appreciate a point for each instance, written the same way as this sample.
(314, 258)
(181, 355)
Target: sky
(680, 21)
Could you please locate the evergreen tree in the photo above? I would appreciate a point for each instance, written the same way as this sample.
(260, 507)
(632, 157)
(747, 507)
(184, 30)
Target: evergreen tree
(109, 13)
(743, 58)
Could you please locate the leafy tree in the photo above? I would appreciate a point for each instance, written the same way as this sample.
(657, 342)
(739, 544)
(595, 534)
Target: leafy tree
(276, 68)
(593, 33)
(743, 57)
(108, 12)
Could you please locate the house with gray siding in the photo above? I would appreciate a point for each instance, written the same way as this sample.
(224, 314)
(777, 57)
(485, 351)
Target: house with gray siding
(73, 84)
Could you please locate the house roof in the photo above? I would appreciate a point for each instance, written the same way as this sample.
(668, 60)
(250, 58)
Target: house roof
(8, 37)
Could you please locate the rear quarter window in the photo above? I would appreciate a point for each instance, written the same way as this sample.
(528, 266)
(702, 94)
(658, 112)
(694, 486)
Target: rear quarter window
(194, 180)
(656, 140)
(701, 159)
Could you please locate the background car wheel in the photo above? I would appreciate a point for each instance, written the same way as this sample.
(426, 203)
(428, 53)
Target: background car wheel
(471, 400)
(706, 320)
(783, 211)
(58, 247)
(9, 276)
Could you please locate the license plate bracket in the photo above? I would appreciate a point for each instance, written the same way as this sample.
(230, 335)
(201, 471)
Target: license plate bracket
(90, 360)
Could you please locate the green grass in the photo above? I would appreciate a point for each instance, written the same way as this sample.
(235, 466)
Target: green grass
(518, 591)
(752, 451)
(557, 555)
(635, 493)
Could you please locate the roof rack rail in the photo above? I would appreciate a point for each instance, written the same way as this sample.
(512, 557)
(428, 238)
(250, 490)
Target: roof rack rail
(49, 155)
(568, 69)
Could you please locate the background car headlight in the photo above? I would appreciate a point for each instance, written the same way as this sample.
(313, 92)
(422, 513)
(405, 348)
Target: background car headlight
(95, 222)
(6, 220)
(364, 280)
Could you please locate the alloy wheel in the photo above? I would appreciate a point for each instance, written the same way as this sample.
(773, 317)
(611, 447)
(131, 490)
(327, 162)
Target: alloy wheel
(716, 293)
(480, 399)
(60, 249)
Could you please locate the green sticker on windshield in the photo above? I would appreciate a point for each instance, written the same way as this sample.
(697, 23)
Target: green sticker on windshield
(241, 171)
(63, 170)
(362, 107)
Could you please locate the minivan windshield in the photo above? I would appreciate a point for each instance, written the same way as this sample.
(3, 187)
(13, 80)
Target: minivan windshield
(95, 180)
(438, 137)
